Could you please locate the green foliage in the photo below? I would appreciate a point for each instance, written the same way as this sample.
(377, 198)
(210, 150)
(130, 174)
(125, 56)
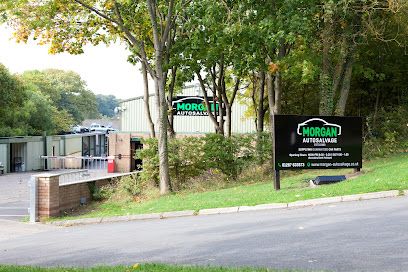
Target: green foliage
(190, 157)
(94, 190)
(131, 185)
(67, 91)
(387, 133)
(121, 189)
(12, 97)
(185, 160)
(228, 154)
(107, 104)
(264, 148)
(150, 156)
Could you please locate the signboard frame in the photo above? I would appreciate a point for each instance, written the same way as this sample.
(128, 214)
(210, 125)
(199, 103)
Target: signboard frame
(316, 142)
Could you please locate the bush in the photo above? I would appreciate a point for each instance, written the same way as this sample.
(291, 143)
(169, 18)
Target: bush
(228, 155)
(387, 134)
(190, 157)
(185, 160)
(132, 186)
(150, 157)
(264, 148)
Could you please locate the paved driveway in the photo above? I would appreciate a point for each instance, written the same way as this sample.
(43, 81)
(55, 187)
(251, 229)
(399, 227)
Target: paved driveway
(14, 197)
(355, 236)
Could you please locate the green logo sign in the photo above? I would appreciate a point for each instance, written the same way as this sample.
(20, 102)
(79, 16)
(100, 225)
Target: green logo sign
(193, 106)
(317, 130)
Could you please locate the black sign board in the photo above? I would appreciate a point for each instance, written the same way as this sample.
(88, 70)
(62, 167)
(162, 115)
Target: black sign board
(193, 106)
(317, 142)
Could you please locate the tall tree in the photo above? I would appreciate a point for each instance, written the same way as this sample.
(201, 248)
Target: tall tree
(107, 104)
(145, 26)
(67, 90)
(345, 25)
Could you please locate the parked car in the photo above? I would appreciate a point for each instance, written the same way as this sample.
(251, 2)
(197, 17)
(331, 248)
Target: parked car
(100, 128)
(79, 129)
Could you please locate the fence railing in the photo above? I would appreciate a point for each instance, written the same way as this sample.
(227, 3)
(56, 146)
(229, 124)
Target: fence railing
(74, 162)
(76, 175)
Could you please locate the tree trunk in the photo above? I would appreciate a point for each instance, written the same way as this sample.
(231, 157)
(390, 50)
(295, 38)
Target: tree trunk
(278, 92)
(260, 118)
(163, 147)
(253, 98)
(159, 42)
(261, 111)
(377, 102)
(170, 128)
(278, 79)
(326, 91)
(213, 116)
(271, 100)
(345, 88)
(146, 101)
(220, 111)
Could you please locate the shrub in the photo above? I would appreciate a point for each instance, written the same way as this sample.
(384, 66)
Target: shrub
(264, 147)
(150, 157)
(131, 185)
(185, 160)
(229, 155)
(387, 134)
(191, 156)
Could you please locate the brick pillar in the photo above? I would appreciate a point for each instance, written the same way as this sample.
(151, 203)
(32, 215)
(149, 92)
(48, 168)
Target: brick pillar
(48, 196)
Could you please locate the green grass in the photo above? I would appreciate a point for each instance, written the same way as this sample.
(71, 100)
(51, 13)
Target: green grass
(379, 175)
(142, 268)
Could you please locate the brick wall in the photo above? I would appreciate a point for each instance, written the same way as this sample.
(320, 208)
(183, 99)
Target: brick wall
(70, 196)
(54, 199)
(48, 196)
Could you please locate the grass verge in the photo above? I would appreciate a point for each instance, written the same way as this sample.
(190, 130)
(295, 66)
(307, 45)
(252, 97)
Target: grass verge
(137, 267)
(379, 175)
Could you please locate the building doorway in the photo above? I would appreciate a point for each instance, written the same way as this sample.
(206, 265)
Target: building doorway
(18, 157)
(135, 164)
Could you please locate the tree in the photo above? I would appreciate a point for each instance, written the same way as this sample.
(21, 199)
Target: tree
(66, 90)
(107, 104)
(345, 25)
(25, 110)
(13, 96)
(41, 115)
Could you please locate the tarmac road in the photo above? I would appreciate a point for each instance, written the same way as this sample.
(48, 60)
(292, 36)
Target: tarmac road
(355, 236)
(14, 199)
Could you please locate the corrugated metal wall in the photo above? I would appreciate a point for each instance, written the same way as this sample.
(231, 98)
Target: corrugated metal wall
(34, 150)
(3, 156)
(73, 146)
(56, 147)
(133, 117)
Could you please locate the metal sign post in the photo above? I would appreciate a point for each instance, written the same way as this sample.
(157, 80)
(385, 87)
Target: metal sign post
(276, 173)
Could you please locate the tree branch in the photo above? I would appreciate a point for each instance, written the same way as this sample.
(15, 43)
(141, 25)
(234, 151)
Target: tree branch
(98, 12)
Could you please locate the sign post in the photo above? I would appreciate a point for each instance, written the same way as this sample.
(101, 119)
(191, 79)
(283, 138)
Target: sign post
(316, 142)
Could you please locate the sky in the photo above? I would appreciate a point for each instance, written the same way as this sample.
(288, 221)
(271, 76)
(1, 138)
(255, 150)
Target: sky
(104, 69)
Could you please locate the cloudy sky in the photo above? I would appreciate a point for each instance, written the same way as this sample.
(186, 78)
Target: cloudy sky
(105, 69)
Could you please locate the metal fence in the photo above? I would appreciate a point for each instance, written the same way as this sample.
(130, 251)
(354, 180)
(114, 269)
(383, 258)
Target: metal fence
(71, 176)
(74, 162)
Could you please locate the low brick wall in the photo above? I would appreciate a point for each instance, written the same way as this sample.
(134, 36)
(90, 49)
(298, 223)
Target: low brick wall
(70, 195)
(54, 199)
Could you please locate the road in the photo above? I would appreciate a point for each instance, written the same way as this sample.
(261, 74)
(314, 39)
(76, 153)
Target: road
(355, 236)
(14, 200)
(14, 191)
